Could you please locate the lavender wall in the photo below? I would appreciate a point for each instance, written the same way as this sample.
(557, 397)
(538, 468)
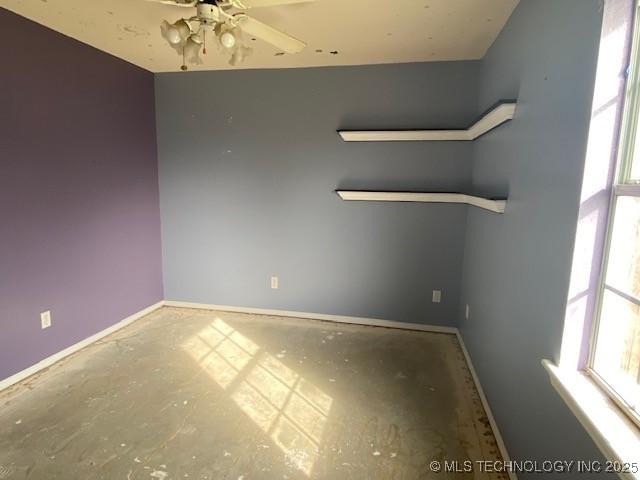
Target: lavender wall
(80, 222)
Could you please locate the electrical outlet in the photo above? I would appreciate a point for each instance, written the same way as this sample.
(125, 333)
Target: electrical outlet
(45, 319)
(274, 283)
(437, 296)
(466, 312)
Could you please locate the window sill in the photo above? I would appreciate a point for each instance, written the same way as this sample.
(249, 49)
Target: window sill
(613, 432)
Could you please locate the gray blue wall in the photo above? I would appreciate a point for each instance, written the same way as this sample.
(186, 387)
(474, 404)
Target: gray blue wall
(249, 161)
(80, 232)
(517, 266)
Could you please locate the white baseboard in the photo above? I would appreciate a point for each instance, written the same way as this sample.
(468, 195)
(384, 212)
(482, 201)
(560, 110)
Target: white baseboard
(47, 362)
(485, 403)
(374, 322)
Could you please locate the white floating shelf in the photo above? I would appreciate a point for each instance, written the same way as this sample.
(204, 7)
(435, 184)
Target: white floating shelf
(496, 117)
(496, 206)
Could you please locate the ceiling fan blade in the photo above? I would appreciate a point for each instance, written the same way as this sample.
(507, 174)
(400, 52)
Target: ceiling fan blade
(176, 3)
(260, 30)
(246, 4)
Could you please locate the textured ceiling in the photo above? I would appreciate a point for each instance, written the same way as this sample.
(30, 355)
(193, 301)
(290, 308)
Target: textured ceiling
(338, 32)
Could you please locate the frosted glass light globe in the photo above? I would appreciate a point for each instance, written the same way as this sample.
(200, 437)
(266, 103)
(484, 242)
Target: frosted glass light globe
(227, 39)
(173, 35)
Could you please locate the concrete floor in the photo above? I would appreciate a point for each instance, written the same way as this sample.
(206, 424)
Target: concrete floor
(188, 394)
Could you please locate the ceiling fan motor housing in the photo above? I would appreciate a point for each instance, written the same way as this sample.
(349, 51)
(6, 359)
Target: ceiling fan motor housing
(208, 13)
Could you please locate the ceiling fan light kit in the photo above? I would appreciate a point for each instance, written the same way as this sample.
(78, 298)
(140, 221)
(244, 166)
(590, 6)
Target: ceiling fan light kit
(226, 21)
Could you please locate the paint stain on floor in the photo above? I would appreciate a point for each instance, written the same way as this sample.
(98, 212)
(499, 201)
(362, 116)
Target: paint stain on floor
(194, 394)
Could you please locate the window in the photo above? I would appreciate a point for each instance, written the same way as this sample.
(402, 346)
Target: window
(615, 355)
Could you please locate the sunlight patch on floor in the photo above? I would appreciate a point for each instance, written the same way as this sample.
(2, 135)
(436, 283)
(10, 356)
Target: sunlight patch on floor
(282, 403)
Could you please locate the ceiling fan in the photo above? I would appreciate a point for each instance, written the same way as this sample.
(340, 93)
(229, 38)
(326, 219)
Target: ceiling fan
(226, 21)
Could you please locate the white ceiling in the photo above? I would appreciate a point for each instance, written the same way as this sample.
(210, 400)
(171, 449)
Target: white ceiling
(360, 31)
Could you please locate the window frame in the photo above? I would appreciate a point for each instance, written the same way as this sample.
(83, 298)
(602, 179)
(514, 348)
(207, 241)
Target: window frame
(623, 186)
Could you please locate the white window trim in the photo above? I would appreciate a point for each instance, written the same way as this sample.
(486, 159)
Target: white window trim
(594, 404)
(613, 432)
(632, 414)
(623, 186)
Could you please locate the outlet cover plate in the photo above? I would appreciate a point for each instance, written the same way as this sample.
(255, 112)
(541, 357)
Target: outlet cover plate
(437, 296)
(45, 319)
